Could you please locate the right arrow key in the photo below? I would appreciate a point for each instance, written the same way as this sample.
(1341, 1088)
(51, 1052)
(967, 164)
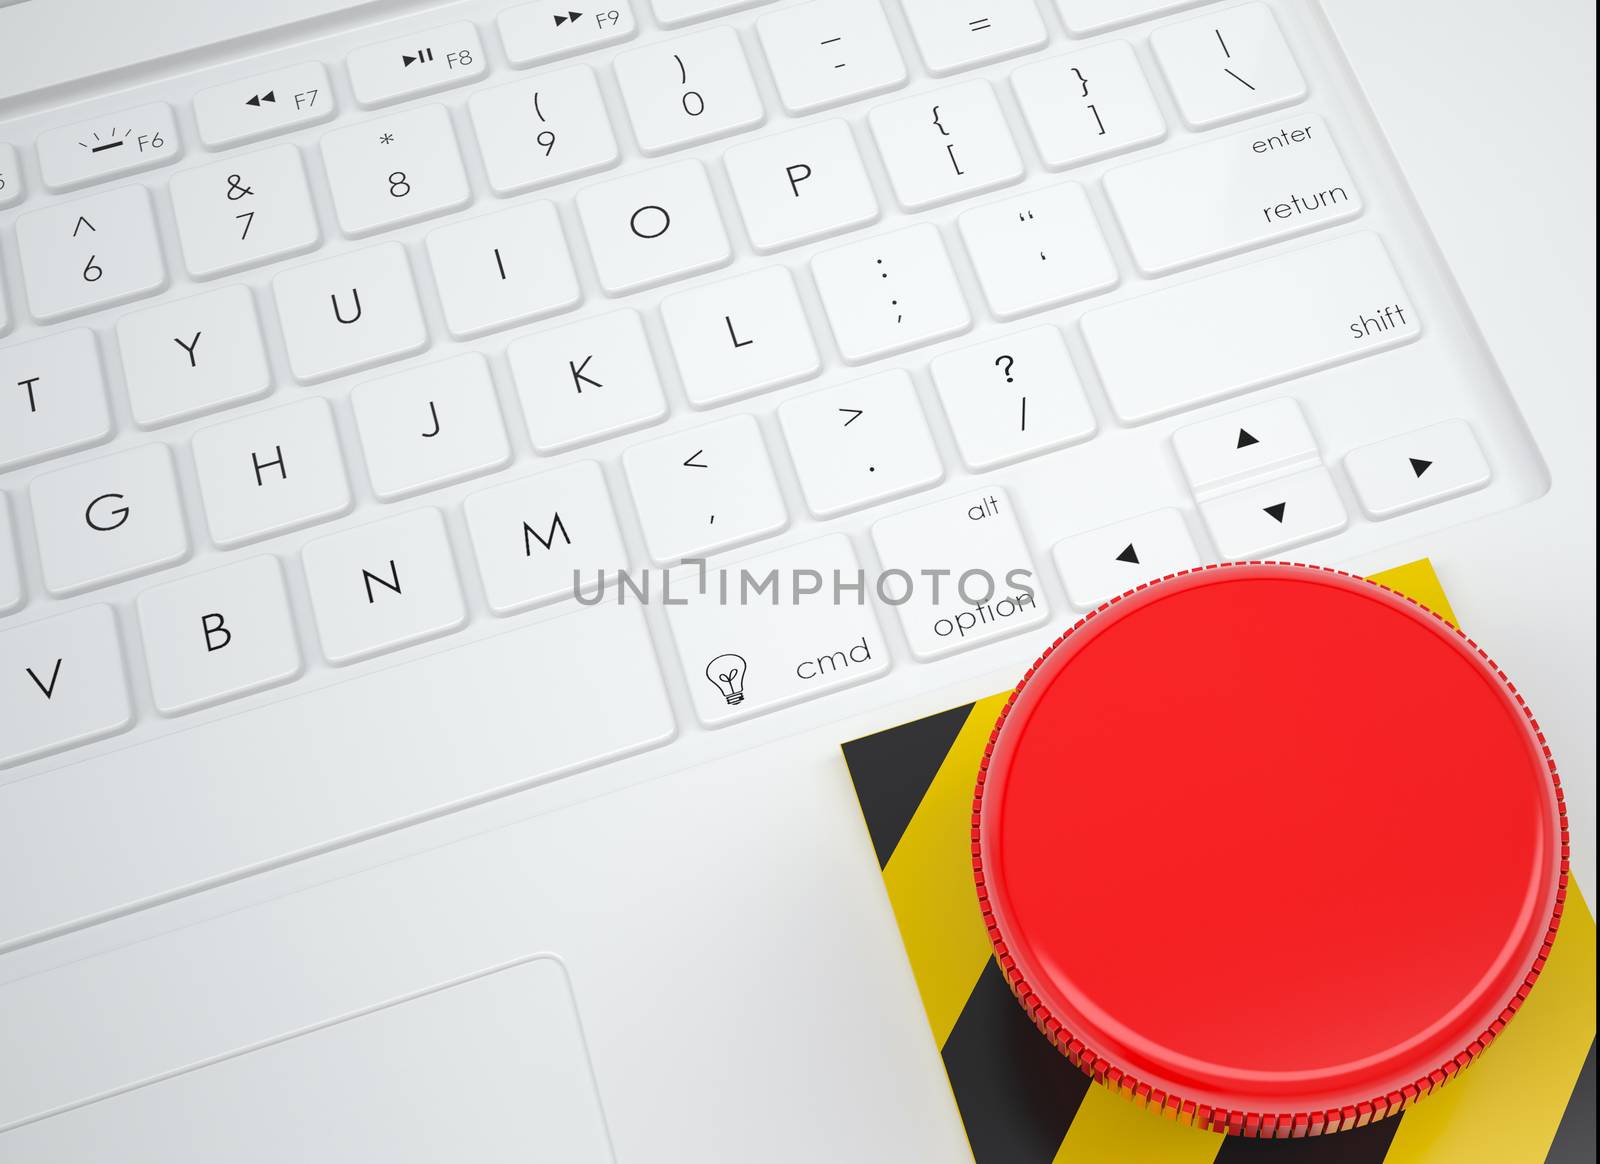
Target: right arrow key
(1419, 468)
(1271, 517)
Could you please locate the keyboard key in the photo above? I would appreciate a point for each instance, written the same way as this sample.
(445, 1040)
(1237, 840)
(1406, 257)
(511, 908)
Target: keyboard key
(968, 576)
(380, 587)
(755, 653)
(860, 443)
(218, 636)
(945, 144)
(799, 186)
(1418, 468)
(102, 521)
(502, 269)
(1088, 105)
(742, 336)
(544, 31)
(417, 63)
(395, 169)
(534, 537)
(271, 472)
(10, 565)
(1249, 326)
(1038, 250)
(1227, 66)
(704, 489)
(652, 227)
(11, 187)
(1239, 192)
(84, 255)
(1083, 17)
(349, 312)
(515, 720)
(693, 89)
(586, 381)
(52, 397)
(675, 12)
(5, 312)
(951, 38)
(193, 356)
(543, 130)
(109, 146)
(244, 211)
(235, 112)
(430, 426)
(62, 684)
(1012, 397)
(1226, 450)
(827, 52)
(887, 294)
(1105, 562)
(1275, 515)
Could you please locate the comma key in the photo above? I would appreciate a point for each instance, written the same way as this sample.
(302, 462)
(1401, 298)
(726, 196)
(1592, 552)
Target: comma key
(959, 573)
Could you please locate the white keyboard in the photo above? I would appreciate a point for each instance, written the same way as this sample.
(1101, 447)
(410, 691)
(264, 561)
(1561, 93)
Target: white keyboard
(332, 378)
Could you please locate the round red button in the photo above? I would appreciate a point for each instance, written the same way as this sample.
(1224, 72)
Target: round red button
(1269, 846)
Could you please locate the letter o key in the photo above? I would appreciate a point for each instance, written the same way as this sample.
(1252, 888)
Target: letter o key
(650, 220)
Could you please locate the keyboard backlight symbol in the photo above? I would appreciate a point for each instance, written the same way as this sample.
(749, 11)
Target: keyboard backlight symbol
(101, 146)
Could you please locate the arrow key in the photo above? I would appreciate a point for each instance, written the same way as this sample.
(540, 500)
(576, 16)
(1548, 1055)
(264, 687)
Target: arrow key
(1102, 563)
(1275, 515)
(549, 29)
(1418, 468)
(1227, 450)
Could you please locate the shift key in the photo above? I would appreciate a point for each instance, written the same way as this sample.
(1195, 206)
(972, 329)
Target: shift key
(959, 573)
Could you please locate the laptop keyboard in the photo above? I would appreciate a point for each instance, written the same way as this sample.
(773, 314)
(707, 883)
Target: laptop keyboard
(734, 279)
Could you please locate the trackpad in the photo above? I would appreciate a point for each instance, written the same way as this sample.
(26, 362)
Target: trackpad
(487, 1070)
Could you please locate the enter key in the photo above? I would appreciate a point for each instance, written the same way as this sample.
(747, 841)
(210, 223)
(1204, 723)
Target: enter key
(1232, 194)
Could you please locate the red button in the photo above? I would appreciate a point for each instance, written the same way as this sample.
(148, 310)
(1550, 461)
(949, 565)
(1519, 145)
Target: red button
(1270, 846)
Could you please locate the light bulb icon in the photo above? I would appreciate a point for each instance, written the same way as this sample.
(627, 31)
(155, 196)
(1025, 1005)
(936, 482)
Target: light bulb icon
(726, 673)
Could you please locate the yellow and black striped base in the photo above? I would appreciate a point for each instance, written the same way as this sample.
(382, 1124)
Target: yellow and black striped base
(1022, 1102)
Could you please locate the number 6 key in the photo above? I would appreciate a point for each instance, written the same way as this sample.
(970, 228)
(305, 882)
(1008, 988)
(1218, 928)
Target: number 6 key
(84, 255)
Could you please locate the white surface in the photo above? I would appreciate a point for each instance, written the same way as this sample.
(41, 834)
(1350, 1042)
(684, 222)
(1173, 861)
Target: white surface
(108, 519)
(750, 655)
(1250, 326)
(823, 53)
(1075, 119)
(531, 36)
(1259, 521)
(1038, 250)
(1239, 192)
(1259, 440)
(741, 336)
(218, 635)
(672, 12)
(1096, 565)
(950, 38)
(800, 186)
(57, 400)
(944, 145)
(64, 684)
(424, 61)
(408, 1082)
(501, 269)
(586, 380)
(1386, 475)
(567, 135)
(1226, 66)
(1012, 397)
(192, 356)
(223, 229)
(11, 187)
(270, 472)
(348, 313)
(937, 546)
(1086, 16)
(688, 90)
(705, 489)
(289, 98)
(108, 147)
(92, 253)
(890, 293)
(395, 169)
(430, 426)
(653, 226)
(777, 831)
(11, 593)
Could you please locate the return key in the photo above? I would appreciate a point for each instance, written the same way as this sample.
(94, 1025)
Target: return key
(1231, 194)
